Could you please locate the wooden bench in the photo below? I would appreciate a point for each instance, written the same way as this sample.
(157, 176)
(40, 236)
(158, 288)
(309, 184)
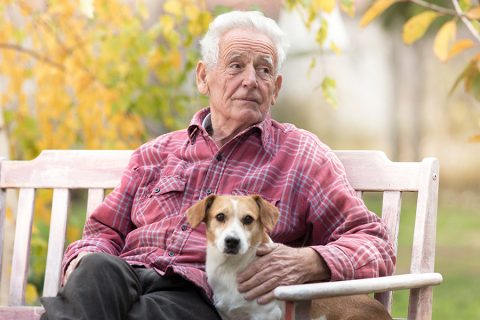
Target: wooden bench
(98, 171)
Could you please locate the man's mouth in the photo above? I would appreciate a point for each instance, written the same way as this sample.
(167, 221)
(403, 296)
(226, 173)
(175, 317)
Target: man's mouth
(248, 99)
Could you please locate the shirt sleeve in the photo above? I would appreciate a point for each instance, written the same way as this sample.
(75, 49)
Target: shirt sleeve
(106, 228)
(352, 240)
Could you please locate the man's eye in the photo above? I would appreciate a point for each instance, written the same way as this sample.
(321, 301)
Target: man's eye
(235, 66)
(265, 70)
(247, 220)
(220, 217)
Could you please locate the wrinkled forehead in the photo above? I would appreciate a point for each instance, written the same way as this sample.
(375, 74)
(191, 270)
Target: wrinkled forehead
(247, 42)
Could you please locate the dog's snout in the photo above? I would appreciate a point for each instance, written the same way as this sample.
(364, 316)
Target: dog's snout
(231, 244)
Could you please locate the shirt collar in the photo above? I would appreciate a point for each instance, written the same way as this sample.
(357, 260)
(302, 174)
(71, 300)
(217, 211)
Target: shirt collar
(201, 122)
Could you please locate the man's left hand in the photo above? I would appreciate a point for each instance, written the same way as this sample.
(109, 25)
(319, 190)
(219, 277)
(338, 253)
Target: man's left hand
(277, 265)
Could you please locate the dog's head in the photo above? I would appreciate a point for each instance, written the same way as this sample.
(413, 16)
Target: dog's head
(234, 223)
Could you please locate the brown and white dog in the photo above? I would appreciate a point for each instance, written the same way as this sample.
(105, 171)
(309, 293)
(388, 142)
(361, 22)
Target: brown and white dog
(236, 226)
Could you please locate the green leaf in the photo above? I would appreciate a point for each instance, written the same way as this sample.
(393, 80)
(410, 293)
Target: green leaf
(348, 6)
(322, 32)
(467, 75)
(313, 64)
(475, 87)
(329, 90)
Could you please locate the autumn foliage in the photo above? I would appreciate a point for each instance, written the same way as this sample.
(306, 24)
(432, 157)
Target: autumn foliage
(74, 81)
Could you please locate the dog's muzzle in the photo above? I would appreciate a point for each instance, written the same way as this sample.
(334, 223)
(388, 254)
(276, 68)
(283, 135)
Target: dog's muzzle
(232, 245)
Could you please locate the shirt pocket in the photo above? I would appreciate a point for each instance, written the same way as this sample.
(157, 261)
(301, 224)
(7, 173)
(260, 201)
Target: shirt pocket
(160, 200)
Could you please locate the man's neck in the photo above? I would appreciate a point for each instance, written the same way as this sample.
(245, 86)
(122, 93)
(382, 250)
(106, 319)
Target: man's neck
(220, 133)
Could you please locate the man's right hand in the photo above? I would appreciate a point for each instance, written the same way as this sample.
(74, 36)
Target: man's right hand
(73, 264)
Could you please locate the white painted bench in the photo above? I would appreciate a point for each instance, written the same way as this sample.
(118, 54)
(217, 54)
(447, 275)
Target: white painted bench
(97, 171)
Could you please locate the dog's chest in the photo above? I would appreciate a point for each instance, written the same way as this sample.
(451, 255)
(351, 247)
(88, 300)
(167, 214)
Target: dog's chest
(222, 278)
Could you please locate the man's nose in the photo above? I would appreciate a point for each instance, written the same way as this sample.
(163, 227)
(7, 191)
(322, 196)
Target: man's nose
(250, 77)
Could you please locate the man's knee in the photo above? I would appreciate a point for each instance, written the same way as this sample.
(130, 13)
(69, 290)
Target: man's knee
(99, 263)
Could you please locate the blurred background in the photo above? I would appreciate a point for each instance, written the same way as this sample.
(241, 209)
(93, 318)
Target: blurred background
(114, 74)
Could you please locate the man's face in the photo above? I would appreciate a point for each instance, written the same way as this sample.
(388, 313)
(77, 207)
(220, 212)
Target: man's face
(243, 85)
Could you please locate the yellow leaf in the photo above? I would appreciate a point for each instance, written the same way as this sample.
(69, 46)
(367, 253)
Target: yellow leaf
(167, 23)
(31, 293)
(474, 13)
(335, 49)
(173, 7)
(444, 39)
(375, 10)
(323, 5)
(475, 138)
(459, 46)
(416, 26)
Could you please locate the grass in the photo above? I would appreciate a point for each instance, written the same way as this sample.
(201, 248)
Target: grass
(457, 258)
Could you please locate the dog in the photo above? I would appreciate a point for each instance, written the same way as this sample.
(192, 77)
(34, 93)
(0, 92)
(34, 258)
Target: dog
(236, 226)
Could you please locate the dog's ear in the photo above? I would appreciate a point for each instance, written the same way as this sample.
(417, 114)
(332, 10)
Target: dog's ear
(268, 212)
(198, 212)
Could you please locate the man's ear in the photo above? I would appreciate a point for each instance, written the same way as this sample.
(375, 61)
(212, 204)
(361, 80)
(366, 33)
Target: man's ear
(269, 214)
(278, 86)
(201, 80)
(198, 212)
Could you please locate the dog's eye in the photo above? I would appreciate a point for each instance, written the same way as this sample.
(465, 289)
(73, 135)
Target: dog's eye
(247, 220)
(220, 217)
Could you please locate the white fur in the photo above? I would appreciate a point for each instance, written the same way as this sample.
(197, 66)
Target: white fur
(222, 272)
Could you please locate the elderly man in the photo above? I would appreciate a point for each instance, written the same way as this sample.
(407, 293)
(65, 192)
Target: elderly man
(138, 257)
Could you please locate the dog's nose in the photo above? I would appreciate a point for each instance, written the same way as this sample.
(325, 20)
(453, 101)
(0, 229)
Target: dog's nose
(232, 243)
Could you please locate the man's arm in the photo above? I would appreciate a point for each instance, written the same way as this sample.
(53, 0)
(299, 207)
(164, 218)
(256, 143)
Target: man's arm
(348, 241)
(107, 227)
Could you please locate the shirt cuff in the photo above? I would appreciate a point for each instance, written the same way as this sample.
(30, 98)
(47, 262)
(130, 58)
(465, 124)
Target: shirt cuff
(340, 265)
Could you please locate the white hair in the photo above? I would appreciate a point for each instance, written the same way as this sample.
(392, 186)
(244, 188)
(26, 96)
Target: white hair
(242, 20)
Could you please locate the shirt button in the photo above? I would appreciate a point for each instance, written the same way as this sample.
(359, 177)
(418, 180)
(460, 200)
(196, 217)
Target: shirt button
(171, 254)
(209, 191)
(219, 157)
(184, 227)
(157, 190)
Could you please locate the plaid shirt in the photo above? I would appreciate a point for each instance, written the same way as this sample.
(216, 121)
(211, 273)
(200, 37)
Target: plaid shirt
(143, 219)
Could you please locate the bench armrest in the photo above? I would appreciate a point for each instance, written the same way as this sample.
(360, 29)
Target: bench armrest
(311, 291)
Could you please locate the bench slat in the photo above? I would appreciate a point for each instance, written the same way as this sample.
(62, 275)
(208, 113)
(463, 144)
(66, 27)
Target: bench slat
(3, 216)
(95, 198)
(21, 247)
(23, 313)
(67, 169)
(391, 208)
(373, 171)
(56, 241)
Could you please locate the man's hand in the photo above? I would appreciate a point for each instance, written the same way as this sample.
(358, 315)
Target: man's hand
(73, 264)
(276, 265)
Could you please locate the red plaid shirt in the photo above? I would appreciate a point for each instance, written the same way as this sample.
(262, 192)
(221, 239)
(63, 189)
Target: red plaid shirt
(143, 219)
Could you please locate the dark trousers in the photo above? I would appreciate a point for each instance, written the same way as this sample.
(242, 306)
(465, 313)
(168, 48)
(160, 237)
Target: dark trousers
(105, 287)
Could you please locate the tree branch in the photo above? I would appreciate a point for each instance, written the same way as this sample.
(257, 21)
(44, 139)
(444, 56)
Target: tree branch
(465, 20)
(456, 13)
(32, 53)
(436, 8)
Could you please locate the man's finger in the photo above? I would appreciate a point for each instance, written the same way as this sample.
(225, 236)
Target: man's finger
(251, 270)
(260, 290)
(266, 298)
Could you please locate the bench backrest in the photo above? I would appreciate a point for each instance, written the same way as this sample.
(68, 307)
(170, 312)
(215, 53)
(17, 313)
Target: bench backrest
(97, 171)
